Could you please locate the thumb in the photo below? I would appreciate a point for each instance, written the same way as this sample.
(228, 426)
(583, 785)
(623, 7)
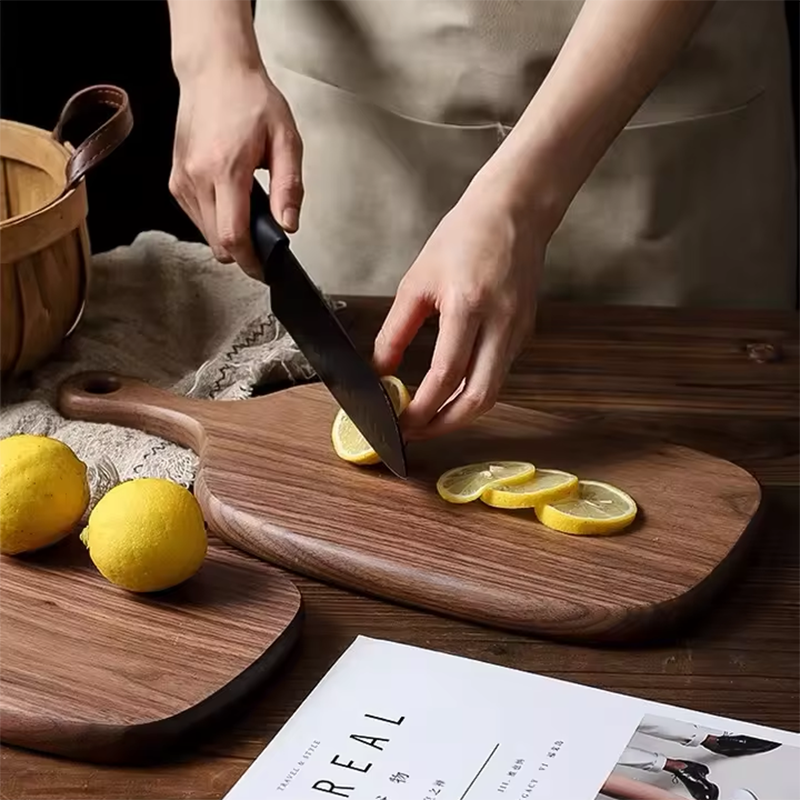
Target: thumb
(285, 176)
(409, 310)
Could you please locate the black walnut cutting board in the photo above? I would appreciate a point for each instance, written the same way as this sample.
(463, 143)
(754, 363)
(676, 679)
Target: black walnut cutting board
(270, 484)
(92, 672)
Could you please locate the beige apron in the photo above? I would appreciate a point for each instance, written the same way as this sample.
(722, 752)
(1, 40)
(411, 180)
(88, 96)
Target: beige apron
(400, 102)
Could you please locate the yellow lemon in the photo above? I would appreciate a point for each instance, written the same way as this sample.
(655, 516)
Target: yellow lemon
(146, 535)
(546, 486)
(597, 508)
(347, 440)
(468, 483)
(43, 492)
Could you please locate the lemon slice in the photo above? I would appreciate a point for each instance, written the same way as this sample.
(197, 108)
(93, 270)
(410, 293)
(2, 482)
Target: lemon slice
(546, 486)
(348, 441)
(397, 392)
(468, 483)
(598, 508)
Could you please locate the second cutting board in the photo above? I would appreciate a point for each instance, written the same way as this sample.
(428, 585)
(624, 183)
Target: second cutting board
(270, 484)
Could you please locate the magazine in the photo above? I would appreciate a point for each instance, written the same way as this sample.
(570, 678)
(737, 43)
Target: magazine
(395, 722)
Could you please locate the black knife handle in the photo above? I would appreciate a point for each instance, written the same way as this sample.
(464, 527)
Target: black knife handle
(266, 233)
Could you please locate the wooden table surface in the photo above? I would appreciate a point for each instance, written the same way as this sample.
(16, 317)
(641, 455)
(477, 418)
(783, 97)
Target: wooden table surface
(725, 382)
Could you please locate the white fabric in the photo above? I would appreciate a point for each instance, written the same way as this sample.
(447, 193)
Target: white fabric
(685, 733)
(642, 759)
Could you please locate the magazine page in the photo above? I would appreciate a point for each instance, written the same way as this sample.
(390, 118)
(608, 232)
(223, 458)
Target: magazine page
(395, 722)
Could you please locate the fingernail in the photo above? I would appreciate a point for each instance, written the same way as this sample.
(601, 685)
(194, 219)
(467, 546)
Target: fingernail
(289, 219)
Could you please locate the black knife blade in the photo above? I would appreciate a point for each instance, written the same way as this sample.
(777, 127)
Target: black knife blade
(301, 308)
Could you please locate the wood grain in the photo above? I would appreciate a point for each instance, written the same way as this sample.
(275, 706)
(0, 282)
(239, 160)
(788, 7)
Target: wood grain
(740, 659)
(29, 187)
(93, 672)
(270, 484)
(10, 320)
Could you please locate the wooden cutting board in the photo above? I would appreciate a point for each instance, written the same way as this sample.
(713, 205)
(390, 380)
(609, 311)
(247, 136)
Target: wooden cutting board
(92, 672)
(270, 484)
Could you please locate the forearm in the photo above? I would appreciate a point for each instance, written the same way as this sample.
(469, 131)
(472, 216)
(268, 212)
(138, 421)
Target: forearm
(212, 32)
(614, 56)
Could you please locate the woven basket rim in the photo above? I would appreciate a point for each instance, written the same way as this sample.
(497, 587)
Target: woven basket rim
(24, 234)
(60, 215)
(64, 150)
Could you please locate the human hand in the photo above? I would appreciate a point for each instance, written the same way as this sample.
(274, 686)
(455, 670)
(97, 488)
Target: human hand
(232, 120)
(479, 270)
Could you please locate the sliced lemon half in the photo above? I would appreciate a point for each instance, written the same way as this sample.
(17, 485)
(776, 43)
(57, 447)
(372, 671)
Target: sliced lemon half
(597, 508)
(349, 443)
(468, 483)
(546, 486)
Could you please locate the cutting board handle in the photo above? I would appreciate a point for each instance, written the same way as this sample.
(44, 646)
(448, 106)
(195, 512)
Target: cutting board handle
(106, 397)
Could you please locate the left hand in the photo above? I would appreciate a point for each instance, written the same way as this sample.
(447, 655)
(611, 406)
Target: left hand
(479, 270)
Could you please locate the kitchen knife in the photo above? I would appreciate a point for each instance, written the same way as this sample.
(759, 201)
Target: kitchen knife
(301, 308)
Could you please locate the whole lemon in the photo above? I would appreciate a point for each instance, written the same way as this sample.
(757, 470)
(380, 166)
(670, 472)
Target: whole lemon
(43, 492)
(146, 535)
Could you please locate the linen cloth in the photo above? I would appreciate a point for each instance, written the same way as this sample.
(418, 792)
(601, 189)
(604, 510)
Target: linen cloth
(165, 311)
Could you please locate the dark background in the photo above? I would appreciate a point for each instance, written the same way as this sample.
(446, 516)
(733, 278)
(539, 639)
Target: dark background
(52, 48)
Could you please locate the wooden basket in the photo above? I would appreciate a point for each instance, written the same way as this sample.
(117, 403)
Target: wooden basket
(44, 243)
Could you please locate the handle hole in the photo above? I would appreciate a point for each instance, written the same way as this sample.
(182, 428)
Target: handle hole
(101, 385)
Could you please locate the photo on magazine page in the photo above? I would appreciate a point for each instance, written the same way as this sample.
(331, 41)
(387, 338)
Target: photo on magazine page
(668, 759)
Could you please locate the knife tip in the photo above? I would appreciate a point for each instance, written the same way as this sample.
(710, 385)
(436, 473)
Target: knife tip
(398, 468)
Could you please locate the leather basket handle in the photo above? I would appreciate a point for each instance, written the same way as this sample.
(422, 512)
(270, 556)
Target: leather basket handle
(111, 133)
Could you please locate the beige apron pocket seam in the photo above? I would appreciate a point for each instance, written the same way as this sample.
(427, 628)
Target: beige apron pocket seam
(377, 184)
(709, 115)
(504, 129)
(483, 126)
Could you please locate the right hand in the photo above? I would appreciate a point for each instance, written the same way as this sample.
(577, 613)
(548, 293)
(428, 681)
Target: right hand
(233, 120)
